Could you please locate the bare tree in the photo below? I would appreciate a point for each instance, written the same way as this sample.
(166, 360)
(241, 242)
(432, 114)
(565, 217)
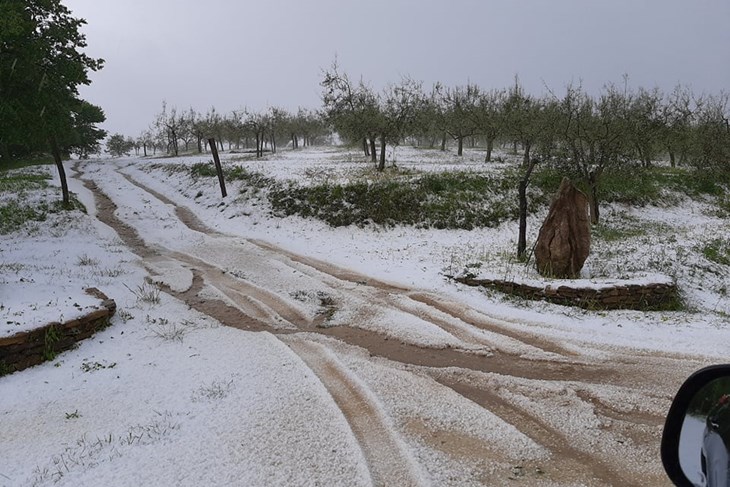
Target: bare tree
(146, 140)
(644, 123)
(401, 105)
(490, 117)
(710, 136)
(169, 125)
(352, 109)
(258, 124)
(678, 113)
(595, 135)
(459, 117)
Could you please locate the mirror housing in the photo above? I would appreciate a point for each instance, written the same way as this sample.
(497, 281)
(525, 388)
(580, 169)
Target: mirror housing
(670, 446)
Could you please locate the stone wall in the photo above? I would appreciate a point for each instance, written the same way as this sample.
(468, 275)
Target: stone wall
(657, 296)
(23, 350)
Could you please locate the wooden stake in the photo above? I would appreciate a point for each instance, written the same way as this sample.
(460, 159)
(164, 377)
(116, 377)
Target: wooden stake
(218, 168)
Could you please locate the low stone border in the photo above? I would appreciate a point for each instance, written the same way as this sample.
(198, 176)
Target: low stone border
(26, 349)
(643, 297)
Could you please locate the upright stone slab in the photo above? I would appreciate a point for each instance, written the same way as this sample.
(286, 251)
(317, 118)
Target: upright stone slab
(564, 240)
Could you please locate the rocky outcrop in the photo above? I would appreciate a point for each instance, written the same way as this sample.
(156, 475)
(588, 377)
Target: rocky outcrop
(23, 350)
(564, 240)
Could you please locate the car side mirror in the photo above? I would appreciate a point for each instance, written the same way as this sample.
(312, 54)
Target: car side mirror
(696, 440)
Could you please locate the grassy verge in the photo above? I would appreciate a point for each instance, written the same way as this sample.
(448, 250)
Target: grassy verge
(21, 163)
(457, 200)
(16, 209)
(460, 200)
(638, 186)
(717, 250)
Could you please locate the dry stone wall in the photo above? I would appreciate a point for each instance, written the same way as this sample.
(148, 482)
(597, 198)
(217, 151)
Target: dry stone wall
(23, 350)
(656, 296)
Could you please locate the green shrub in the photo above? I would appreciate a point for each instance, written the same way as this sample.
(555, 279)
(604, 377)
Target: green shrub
(202, 170)
(447, 200)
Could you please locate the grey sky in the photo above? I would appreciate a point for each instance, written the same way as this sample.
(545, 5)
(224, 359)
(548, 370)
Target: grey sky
(230, 54)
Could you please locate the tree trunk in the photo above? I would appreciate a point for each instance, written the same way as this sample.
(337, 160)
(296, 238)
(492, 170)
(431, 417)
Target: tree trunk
(526, 158)
(373, 152)
(5, 152)
(522, 191)
(443, 142)
(365, 147)
(460, 150)
(174, 143)
(144, 149)
(593, 199)
(522, 237)
(381, 164)
(672, 161)
(61, 171)
(490, 145)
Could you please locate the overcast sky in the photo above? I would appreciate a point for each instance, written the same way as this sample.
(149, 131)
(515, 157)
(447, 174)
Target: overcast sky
(232, 54)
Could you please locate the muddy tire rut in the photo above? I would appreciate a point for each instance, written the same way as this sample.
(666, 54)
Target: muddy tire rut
(495, 349)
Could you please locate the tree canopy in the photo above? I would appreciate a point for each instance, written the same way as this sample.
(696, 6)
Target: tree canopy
(41, 68)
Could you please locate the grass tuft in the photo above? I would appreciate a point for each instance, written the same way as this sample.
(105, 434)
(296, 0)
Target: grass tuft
(146, 293)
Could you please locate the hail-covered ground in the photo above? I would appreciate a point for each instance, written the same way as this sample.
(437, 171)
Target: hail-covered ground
(175, 394)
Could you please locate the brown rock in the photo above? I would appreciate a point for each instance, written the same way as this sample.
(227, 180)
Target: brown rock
(565, 237)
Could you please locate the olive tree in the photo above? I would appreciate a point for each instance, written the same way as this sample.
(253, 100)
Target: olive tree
(710, 136)
(459, 117)
(644, 123)
(490, 120)
(678, 114)
(594, 134)
(353, 109)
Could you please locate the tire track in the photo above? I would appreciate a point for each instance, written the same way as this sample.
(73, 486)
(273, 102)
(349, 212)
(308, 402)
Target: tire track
(569, 463)
(374, 291)
(387, 456)
(258, 308)
(260, 303)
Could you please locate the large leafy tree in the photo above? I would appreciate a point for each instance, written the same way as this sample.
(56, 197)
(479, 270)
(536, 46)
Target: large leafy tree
(41, 69)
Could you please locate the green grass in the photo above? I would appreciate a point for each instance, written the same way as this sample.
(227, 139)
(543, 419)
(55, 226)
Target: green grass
(637, 186)
(6, 369)
(25, 162)
(445, 201)
(14, 214)
(463, 200)
(17, 183)
(234, 173)
(717, 250)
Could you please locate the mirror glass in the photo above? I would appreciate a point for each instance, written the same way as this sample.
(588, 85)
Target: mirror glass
(704, 442)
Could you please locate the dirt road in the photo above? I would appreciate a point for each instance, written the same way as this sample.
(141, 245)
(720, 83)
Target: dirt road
(563, 416)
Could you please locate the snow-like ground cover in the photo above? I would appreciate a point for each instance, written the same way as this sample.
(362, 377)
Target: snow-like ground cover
(662, 243)
(167, 396)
